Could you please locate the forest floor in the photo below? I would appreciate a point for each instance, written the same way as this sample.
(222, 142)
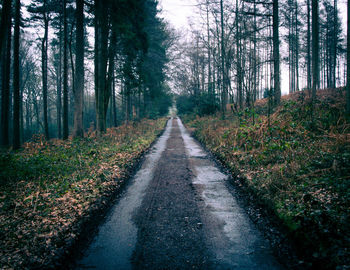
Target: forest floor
(50, 189)
(296, 168)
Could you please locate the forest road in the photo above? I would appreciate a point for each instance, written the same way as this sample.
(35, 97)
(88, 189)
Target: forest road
(178, 213)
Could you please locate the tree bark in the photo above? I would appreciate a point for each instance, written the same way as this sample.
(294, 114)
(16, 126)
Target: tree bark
(16, 78)
(296, 46)
(348, 65)
(276, 54)
(239, 62)
(114, 107)
(5, 54)
(65, 73)
(101, 60)
(79, 79)
(254, 59)
(5, 21)
(224, 85)
(315, 49)
(44, 71)
(209, 56)
(59, 84)
(334, 43)
(111, 65)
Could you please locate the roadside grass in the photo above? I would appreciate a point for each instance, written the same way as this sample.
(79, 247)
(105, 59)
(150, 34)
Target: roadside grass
(48, 187)
(298, 168)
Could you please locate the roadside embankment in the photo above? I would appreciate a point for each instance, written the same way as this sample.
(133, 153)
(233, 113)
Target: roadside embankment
(295, 166)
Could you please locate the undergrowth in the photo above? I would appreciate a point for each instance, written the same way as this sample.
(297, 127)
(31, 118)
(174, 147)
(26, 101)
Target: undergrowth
(48, 186)
(299, 168)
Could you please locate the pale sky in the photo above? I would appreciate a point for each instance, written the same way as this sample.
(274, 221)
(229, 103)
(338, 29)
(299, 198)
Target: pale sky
(177, 12)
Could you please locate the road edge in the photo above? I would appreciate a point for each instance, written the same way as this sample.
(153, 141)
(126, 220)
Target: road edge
(88, 225)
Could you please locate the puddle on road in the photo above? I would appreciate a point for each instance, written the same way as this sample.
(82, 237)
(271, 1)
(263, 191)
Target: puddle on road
(115, 241)
(232, 237)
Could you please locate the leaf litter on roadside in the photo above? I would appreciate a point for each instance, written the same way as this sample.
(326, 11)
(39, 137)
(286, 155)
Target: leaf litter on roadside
(49, 186)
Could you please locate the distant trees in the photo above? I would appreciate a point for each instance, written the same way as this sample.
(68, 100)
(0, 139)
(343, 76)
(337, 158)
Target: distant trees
(236, 48)
(293, 26)
(40, 10)
(54, 89)
(234, 57)
(240, 51)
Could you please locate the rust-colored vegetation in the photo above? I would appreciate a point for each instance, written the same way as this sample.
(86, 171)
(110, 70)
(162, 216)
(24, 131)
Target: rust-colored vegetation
(297, 166)
(50, 187)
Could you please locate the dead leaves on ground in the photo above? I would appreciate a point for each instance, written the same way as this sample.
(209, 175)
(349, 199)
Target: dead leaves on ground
(301, 170)
(40, 213)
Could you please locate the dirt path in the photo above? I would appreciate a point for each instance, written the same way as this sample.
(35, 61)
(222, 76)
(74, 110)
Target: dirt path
(177, 213)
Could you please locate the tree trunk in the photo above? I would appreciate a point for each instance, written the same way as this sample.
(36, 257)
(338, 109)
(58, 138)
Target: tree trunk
(114, 107)
(5, 22)
(254, 58)
(109, 81)
(44, 71)
(224, 85)
(348, 66)
(70, 49)
(59, 84)
(79, 79)
(315, 49)
(209, 56)
(16, 78)
(296, 46)
(239, 62)
(65, 73)
(5, 54)
(276, 54)
(335, 43)
(101, 59)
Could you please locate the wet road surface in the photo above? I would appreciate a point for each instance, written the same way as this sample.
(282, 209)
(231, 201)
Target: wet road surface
(178, 213)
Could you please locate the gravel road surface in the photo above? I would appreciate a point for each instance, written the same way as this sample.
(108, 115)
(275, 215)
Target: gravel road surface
(178, 213)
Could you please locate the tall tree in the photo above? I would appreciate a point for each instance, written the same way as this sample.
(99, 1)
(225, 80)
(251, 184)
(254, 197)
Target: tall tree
(5, 18)
(276, 54)
(335, 43)
(16, 78)
(308, 58)
(239, 60)
(101, 61)
(348, 64)
(223, 56)
(5, 54)
(79, 69)
(44, 57)
(65, 72)
(315, 49)
(332, 41)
